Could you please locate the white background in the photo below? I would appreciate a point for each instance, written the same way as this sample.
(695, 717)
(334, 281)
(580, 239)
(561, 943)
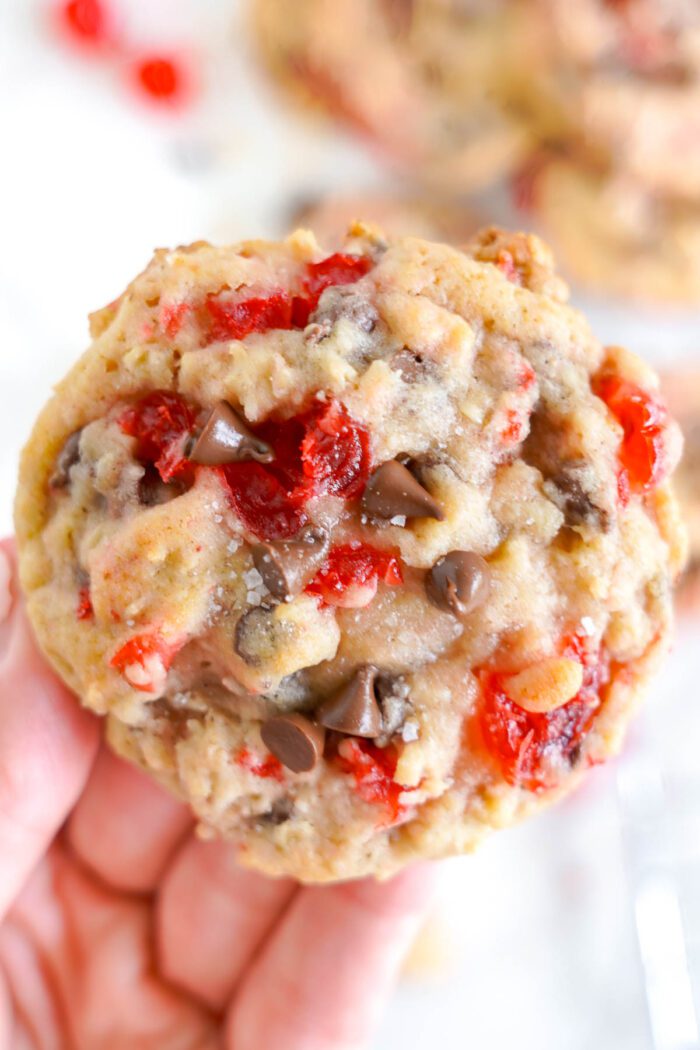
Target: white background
(577, 931)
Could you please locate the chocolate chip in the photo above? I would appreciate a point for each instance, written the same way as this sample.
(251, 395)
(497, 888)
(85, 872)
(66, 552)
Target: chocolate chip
(67, 458)
(459, 582)
(287, 566)
(411, 367)
(567, 489)
(354, 710)
(346, 303)
(295, 740)
(392, 491)
(226, 439)
(255, 631)
(153, 491)
(279, 813)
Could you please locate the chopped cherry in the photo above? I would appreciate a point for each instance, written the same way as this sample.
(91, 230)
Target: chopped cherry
(335, 270)
(172, 317)
(227, 318)
(512, 432)
(506, 264)
(144, 662)
(350, 576)
(531, 748)
(267, 768)
(643, 418)
(335, 452)
(84, 610)
(160, 422)
(373, 769)
(323, 451)
(263, 503)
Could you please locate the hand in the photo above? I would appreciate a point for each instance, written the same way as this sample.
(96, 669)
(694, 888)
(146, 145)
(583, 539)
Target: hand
(122, 929)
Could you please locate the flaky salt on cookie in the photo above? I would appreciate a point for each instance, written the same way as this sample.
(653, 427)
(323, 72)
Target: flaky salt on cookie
(362, 553)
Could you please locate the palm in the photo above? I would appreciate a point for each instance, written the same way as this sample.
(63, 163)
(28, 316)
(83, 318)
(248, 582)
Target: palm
(132, 932)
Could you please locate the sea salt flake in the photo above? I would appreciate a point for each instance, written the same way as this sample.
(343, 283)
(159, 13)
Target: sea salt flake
(410, 731)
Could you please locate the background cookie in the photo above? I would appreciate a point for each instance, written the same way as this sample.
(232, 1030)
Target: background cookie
(361, 553)
(614, 235)
(428, 82)
(398, 214)
(682, 389)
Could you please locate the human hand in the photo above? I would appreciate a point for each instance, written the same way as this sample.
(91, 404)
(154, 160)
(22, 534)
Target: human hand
(119, 928)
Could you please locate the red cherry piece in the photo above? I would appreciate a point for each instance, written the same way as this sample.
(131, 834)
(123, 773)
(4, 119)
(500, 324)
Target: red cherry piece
(506, 264)
(229, 319)
(160, 422)
(513, 430)
(335, 452)
(172, 317)
(263, 503)
(85, 20)
(269, 768)
(335, 270)
(161, 78)
(643, 418)
(142, 660)
(84, 610)
(373, 769)
(354, 566)
(322, 451)
(531, 748)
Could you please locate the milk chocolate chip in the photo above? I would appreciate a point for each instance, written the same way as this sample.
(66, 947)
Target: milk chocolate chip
(295, 740)
(287, 566)
(354, 710)
(392, 491)
(226, 439)
(67, 458)
(459, 582)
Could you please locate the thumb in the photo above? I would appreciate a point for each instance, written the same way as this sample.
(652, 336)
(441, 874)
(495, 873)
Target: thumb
(47, 743)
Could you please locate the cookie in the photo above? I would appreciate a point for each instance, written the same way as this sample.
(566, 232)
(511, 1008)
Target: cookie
(430, 217)
(682, 389)
(430, 83)
(614, 235)
(362, 554)
(622, 80)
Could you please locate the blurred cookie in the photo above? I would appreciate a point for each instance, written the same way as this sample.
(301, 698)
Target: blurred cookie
(612, 234)
(622, 80)
(398, 215)
(430, 81)
(682, 390)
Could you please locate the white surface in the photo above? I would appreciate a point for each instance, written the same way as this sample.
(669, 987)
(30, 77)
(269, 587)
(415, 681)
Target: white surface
(544, 916)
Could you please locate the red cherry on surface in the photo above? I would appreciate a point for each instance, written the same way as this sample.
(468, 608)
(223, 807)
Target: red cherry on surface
(85, 20)
(162, 79)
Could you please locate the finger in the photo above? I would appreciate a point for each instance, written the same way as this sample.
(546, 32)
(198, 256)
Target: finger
(5, 1014)
(47, 743)
(125, 827)
(323, 979)
(79, 965)
(213, 915)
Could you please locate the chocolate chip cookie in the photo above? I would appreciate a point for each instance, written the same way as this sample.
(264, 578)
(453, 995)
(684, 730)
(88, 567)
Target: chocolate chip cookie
(614, 234)
(430, 83)
(682, 389)
(361, 553)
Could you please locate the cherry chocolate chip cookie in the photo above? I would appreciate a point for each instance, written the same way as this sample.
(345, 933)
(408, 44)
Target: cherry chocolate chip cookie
(361, 553)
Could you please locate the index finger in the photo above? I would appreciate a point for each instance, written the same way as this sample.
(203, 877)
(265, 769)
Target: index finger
(47, 743)
(324, 976)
